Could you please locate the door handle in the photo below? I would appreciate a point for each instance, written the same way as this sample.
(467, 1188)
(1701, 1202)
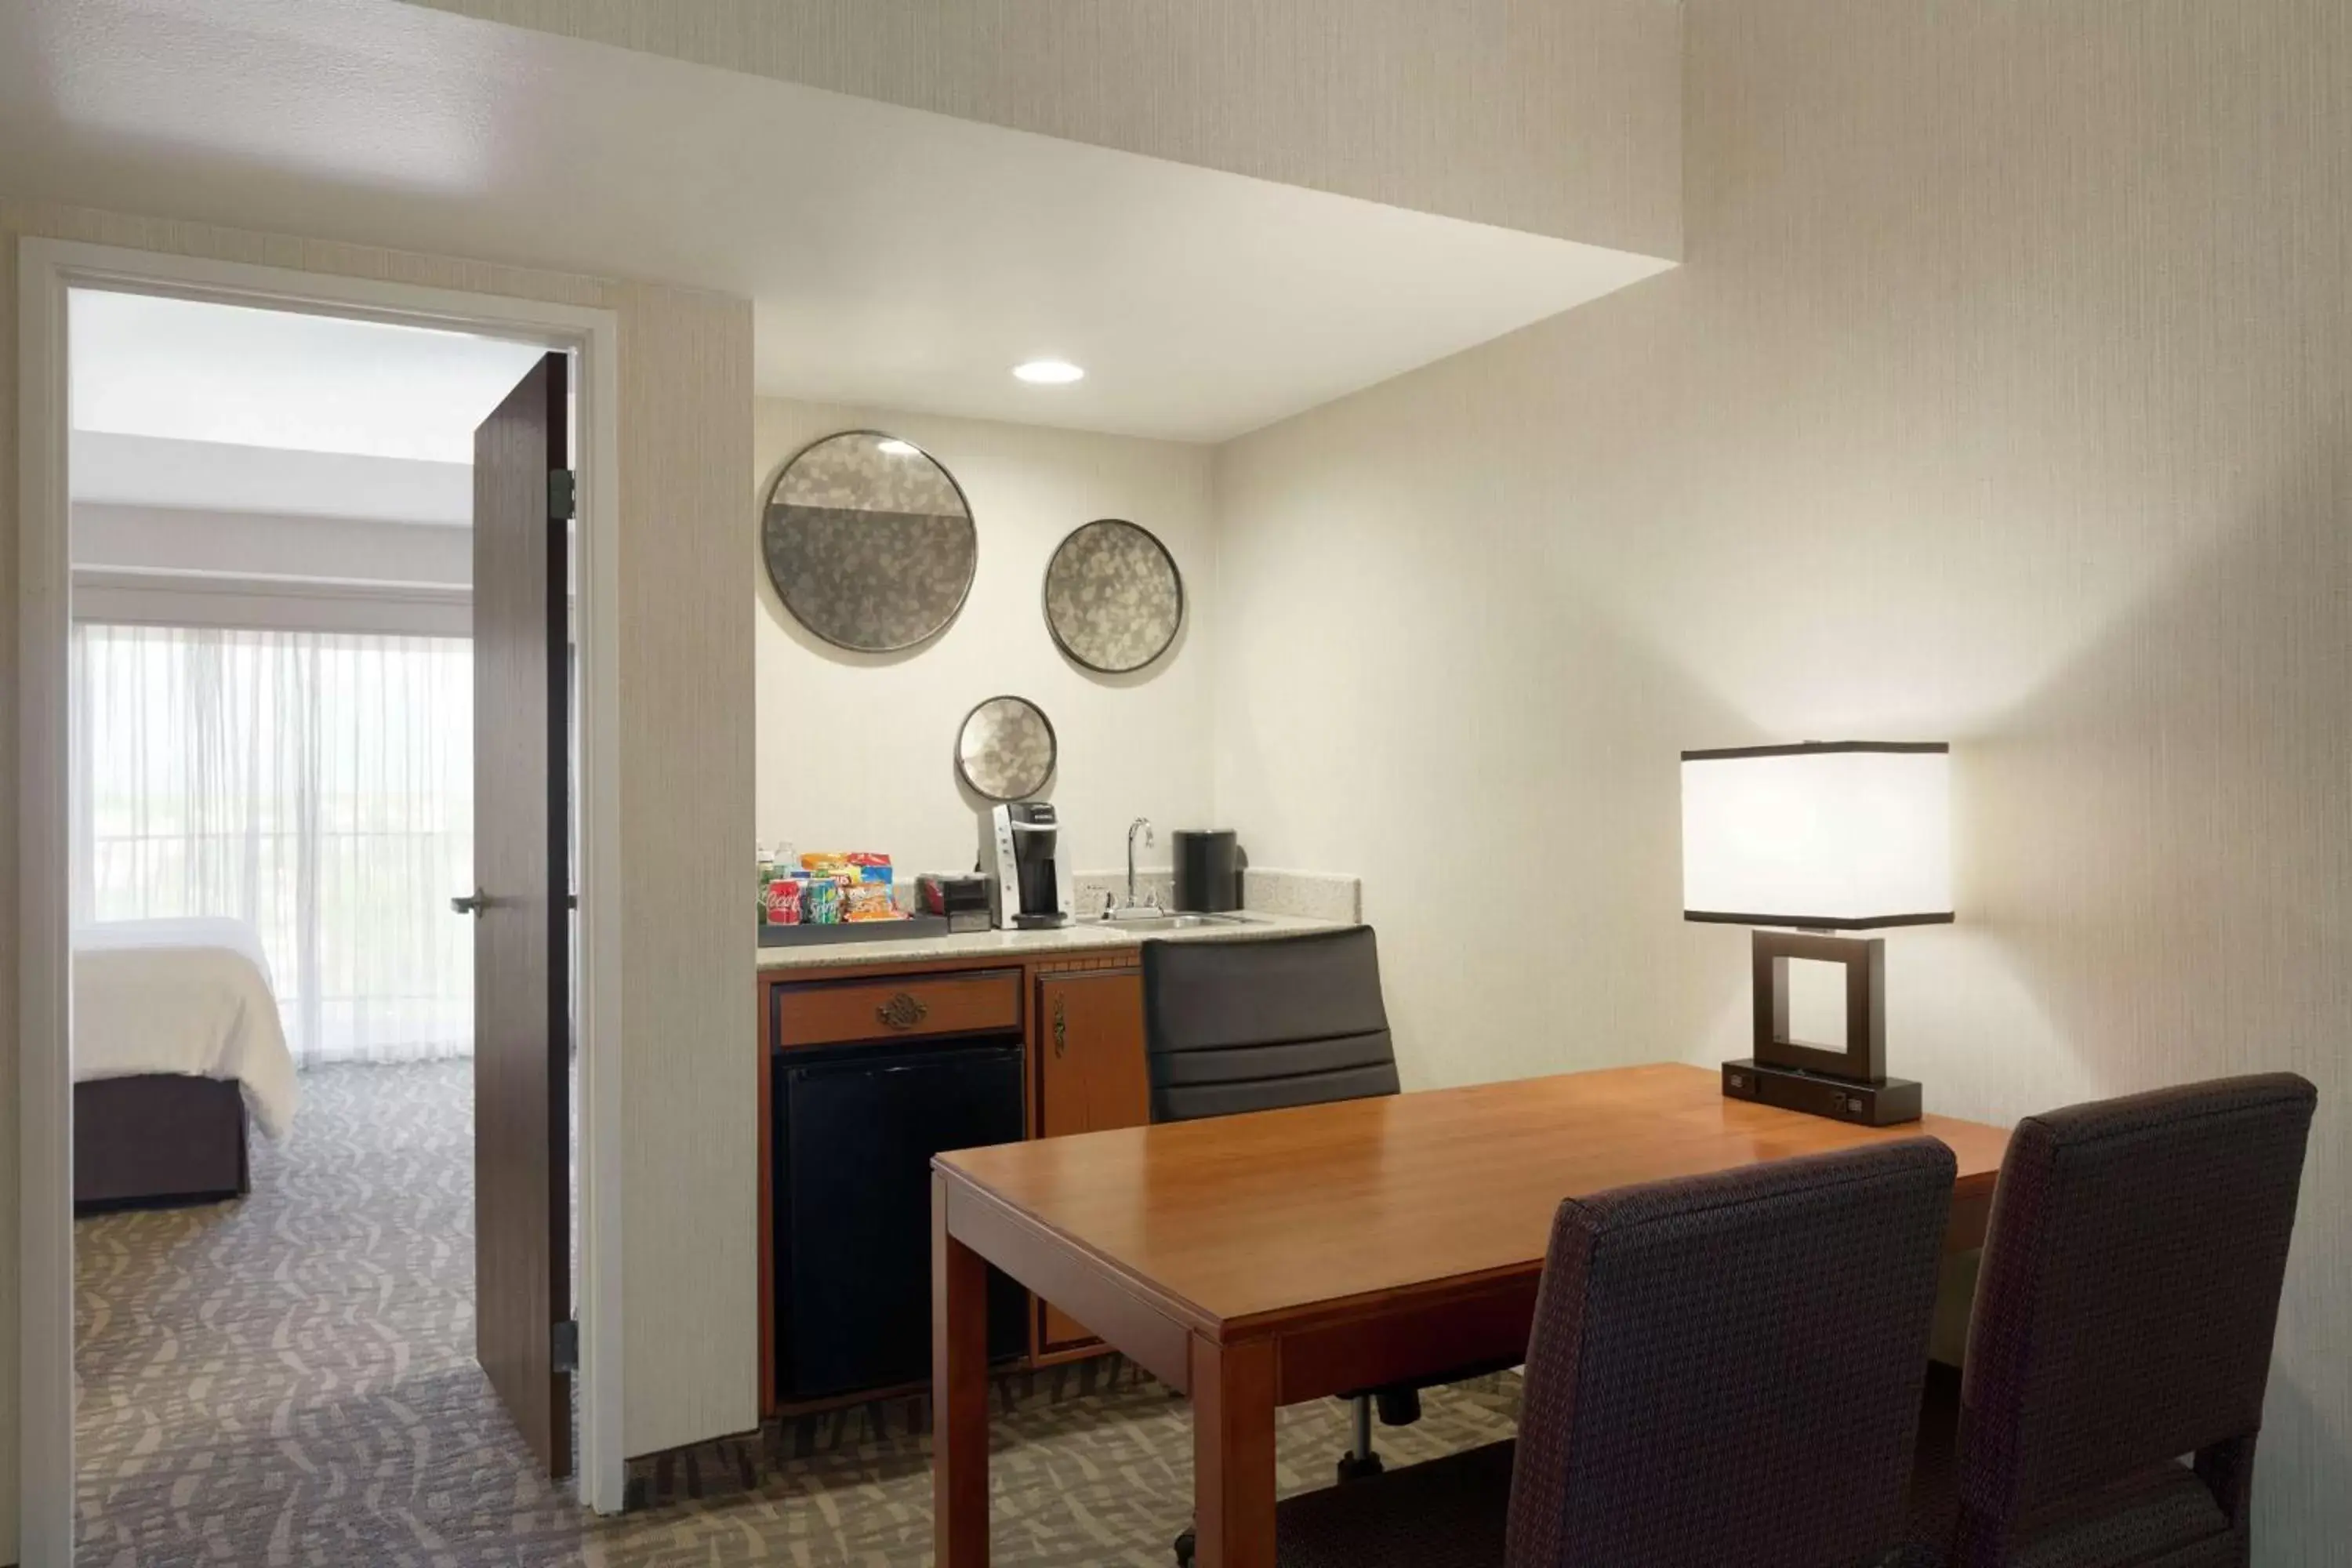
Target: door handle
(1061, 1025)
(473, 905)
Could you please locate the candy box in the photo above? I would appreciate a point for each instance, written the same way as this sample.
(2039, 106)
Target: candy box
(870, 902)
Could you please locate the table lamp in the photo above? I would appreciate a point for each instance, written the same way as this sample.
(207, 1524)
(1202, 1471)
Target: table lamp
(1820, 839)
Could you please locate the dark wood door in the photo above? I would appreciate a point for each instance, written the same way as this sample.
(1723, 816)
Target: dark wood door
(522, 980)
(1091, 1076)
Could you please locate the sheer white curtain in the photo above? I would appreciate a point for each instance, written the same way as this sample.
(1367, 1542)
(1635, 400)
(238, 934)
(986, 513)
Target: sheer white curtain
(319, 785)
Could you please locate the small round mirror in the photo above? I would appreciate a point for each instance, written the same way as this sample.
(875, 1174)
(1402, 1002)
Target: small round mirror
(870, 541)
(1114, 599)
(1006, 750)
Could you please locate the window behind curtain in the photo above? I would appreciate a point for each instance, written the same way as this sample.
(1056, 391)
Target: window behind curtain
(319, 785)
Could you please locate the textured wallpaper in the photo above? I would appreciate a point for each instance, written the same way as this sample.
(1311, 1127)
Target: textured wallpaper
(1558, 118)
(9, 222)
(690, 1115)
(686, 676)
(2005, 395)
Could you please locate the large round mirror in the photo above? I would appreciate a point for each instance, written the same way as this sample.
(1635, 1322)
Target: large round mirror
(1114, 600)
(1006, 749)
(870, 542)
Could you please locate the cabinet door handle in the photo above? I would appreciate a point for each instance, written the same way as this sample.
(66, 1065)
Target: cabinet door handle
(901, 1012)
(1061, 1024)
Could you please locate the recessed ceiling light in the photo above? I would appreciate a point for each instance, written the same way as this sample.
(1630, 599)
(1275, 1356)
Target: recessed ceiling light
(895, 447)
(1049, 372)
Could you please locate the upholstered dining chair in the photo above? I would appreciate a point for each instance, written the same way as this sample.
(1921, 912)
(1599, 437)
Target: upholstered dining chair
(2122, 1323)
(1724, 1369)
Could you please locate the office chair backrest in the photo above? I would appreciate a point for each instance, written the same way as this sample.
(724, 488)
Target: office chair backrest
(1728, 1368)
(2129, 1291)
(1258, 1023)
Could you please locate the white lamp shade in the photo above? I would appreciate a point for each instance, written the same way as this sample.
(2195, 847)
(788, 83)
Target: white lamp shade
(1828, 836)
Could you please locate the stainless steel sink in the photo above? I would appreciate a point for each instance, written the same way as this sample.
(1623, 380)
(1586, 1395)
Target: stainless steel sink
(1170, 923)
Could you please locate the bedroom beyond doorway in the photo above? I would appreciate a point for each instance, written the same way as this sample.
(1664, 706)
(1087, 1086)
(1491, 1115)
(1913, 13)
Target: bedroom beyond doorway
(277, 527)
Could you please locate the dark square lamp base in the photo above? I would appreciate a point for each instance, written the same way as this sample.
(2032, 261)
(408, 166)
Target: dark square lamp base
(1848, 1084)
(1885, 1104)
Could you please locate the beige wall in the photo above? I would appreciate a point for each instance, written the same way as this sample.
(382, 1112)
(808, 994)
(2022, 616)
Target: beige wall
(690, 1115)
(1560, 118)
(12, 223)
(856, 751)
(685, 686)
(2006, 395)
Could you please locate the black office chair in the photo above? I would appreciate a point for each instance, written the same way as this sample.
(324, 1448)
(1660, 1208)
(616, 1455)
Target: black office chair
(1242, 1024)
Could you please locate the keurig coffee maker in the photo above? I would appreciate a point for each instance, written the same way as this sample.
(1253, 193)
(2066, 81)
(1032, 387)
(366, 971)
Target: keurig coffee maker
(1027, 870)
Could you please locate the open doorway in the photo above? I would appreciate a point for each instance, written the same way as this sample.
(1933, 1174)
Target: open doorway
(288, 1147)
(273, 804)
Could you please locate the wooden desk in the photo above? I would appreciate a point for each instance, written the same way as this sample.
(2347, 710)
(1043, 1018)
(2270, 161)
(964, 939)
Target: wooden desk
(1257, 1261)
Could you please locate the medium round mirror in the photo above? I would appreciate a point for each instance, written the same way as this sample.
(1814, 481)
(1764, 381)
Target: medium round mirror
(870, 542)
(1114, 599)
(1006, 749)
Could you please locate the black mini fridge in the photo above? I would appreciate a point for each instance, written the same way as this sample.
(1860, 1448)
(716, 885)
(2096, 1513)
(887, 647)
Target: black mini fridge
(856, 1128)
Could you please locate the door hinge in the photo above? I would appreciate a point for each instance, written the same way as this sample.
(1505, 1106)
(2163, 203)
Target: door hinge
(562, 494)
(563, 1345)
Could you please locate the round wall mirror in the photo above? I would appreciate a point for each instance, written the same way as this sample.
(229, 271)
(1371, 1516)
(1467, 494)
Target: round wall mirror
(1114, 599)
(870, 541)
(1006, 749)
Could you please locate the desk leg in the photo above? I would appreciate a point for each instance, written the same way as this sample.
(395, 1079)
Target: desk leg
(1233, 1453)
(958, 1395)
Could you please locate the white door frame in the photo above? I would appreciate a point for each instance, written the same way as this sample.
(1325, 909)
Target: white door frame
(47, 270)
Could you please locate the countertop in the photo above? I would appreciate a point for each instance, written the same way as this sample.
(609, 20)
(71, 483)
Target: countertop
(1013, 946)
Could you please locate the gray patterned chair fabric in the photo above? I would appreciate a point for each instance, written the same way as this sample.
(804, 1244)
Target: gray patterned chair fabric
(2122, 1323)
(1724, 1369)
(1262, 1023)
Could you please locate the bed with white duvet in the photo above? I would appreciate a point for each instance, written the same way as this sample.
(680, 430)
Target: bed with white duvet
(176, 1043)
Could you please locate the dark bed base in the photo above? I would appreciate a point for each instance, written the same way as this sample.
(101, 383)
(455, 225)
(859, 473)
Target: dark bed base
(157, 1140)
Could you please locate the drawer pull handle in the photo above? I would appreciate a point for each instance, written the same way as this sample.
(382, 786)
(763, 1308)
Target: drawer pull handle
(1061, 1024)
(901, 1012)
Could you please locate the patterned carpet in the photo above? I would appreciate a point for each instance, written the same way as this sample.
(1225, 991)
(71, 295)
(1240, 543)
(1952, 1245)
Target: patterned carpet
(291, 1381)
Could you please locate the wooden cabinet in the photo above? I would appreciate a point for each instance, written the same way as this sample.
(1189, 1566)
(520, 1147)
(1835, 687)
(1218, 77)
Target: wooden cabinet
(1090, 1067)
(1091, 1076)
(1080, 1022)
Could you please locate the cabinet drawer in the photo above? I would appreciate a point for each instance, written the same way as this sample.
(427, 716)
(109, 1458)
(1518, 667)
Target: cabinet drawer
(835, 1011)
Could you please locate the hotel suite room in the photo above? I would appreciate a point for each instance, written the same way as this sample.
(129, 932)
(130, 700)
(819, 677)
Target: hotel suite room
(1502, 401)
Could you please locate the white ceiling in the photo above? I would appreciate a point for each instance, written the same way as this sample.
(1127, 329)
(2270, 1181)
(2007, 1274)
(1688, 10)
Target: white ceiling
(225, 409)
(895, 259)
(189, 371)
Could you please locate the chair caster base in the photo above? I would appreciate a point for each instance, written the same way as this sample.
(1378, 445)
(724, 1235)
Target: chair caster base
(1184, 1546)
(1353, 1469)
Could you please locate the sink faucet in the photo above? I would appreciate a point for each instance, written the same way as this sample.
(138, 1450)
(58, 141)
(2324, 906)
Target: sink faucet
(1140, 824)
